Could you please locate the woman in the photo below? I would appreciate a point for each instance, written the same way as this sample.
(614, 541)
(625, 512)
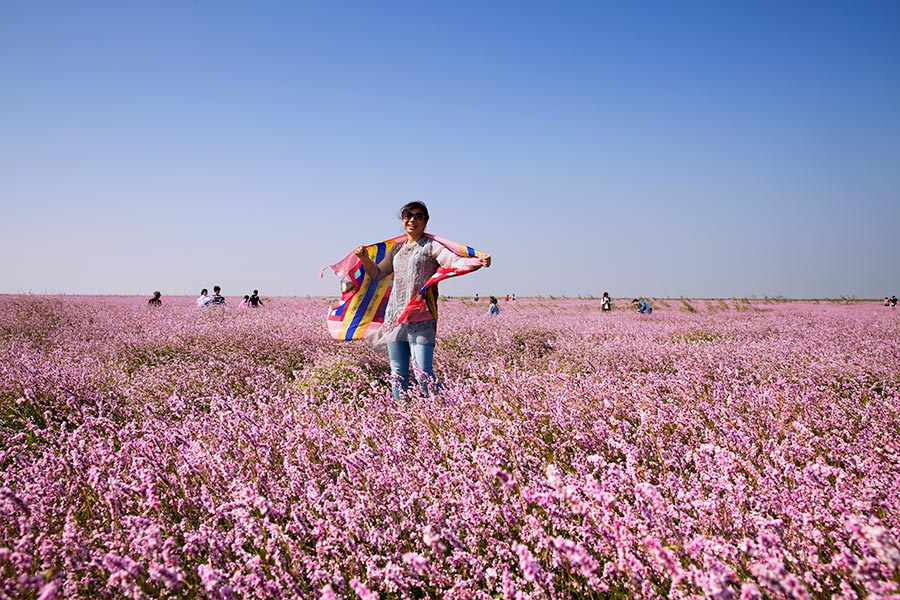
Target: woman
(493, 308)
(409, 325)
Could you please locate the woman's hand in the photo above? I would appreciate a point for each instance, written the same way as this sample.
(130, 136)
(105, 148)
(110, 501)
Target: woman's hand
(486, 260)
(363, 256)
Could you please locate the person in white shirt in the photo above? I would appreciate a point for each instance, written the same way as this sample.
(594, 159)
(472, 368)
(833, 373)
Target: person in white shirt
(204, 298)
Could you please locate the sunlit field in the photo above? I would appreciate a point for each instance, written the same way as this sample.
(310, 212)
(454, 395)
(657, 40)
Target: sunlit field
(720, 449)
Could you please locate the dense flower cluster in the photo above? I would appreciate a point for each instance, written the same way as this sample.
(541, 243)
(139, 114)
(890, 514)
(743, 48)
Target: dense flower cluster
(732, 450)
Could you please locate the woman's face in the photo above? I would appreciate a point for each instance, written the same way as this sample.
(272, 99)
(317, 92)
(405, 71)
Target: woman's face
(413, 222)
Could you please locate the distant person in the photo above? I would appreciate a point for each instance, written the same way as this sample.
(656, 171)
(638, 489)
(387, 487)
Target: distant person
(605, 302)
(476, 296)
(887, 301)
(514, 298)
(643, 307)
(507, 297)
(893, 301)
(155, 301)
(245, 303)
(218, 299)
(493, 308)
(255, 300)
(204, 298)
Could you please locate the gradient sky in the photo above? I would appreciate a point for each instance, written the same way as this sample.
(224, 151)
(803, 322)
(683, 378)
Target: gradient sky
(703, 149)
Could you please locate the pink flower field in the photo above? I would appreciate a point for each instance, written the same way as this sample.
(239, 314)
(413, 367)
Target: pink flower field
(713, 449)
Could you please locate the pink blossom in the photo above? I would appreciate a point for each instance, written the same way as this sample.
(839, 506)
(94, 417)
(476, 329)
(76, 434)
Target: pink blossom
(740, 451)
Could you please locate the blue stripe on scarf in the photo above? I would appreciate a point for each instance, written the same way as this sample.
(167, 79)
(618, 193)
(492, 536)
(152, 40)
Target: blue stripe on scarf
(367, 299)
(471, 251)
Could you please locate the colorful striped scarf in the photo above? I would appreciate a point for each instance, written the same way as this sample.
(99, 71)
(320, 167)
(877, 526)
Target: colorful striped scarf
(360, 311)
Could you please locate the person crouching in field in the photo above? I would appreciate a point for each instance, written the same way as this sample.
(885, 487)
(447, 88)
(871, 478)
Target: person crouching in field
(643, 307)
(493, 308)
(155, 301)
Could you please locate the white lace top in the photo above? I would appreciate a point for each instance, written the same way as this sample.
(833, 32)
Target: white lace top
(412, 265)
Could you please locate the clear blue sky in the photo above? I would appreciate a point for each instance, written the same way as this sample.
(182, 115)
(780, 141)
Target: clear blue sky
(660, 149)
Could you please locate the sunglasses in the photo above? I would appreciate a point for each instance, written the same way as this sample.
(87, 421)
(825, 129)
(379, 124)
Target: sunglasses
(412, 215)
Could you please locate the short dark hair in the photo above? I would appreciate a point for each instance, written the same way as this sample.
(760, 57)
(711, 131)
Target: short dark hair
(256, 291)
(416, 205)
(204, 291)
(217, 288)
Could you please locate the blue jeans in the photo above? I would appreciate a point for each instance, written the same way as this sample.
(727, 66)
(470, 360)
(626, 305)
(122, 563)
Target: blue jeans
(400, 353)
